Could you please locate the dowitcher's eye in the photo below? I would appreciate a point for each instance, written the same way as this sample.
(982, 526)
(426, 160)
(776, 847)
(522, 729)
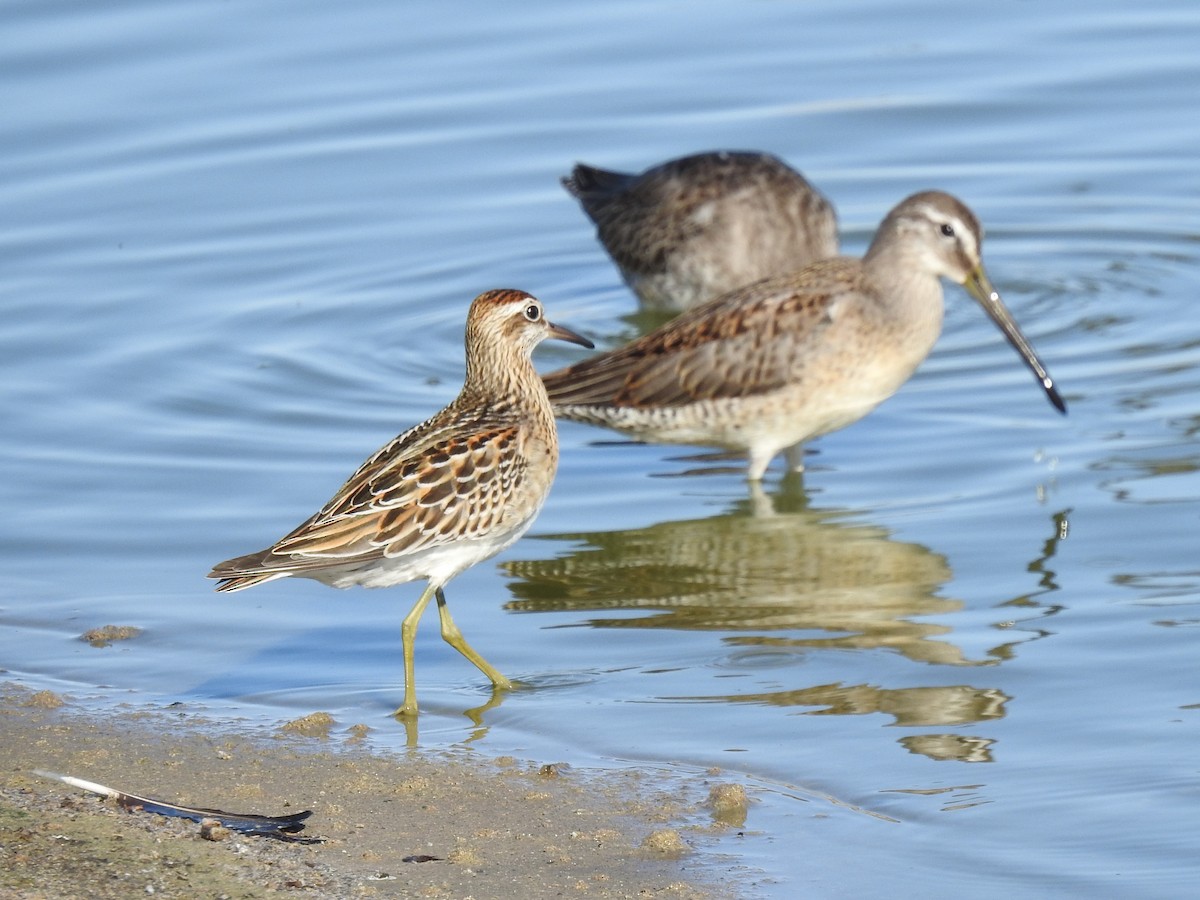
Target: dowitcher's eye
(533, 312)
(947, 229)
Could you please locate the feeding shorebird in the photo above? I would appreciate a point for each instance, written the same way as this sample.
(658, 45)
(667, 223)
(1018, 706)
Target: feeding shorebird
(444, 495)
(694, 228)
(775, 363)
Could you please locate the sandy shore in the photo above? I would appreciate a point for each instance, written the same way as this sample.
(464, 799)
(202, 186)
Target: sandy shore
(405, 825)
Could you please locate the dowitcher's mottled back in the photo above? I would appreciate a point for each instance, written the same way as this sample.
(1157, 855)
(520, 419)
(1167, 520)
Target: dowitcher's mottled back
(693, 228)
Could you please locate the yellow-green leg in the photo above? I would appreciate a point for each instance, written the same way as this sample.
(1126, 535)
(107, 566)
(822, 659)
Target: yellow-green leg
(408, 634)
(452, 636)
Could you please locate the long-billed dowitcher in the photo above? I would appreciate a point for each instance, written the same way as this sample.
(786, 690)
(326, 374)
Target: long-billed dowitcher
(694, 228)
(770, 365)
(443, 496)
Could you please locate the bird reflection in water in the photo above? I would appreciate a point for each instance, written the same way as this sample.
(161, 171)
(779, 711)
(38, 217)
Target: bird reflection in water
(769, 563)
(772, 564)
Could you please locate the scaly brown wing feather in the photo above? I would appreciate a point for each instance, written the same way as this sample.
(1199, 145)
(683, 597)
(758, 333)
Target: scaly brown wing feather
(641, 218)
(411, 495)
(747, 342)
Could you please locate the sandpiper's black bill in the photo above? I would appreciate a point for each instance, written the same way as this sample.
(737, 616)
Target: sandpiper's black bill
(566, 334)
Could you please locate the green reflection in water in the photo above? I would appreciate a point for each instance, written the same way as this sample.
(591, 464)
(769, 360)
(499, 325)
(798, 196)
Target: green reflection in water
(770, 564)
(957, 704)
(961, 747)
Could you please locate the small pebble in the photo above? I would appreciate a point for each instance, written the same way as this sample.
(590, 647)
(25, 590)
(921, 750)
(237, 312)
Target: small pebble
(213, 830)
(102, 637)
(44, 700)
(729, 804)
(665, 842)
(315, 724)
(464, 857)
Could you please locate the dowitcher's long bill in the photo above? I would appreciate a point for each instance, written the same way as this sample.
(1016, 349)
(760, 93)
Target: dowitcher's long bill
(980, 287)
(770, 365)
(443, 496)
(691, 229)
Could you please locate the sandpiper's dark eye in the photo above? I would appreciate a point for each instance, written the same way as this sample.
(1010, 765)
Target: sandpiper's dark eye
(947, 229)
(533, 312)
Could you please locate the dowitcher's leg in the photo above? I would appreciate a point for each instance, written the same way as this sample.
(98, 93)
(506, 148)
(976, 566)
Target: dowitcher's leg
(408, 634)
(794, 457)
(761, 505)
(758, 460)
(452, 636)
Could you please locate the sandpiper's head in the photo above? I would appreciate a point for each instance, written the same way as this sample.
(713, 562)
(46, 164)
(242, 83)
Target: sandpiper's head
(511, 318)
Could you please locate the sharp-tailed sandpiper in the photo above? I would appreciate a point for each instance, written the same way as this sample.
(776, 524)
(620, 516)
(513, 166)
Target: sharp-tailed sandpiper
(443, 496)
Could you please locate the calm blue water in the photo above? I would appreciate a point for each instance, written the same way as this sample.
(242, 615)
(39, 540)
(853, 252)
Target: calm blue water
(239, 241)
